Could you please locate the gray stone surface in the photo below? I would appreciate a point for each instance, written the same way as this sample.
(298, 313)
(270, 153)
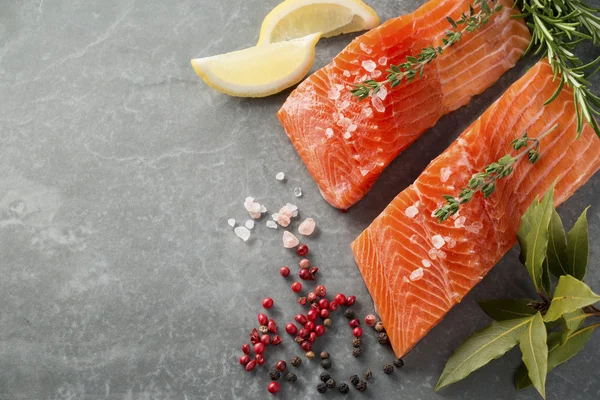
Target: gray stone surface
(120, 278)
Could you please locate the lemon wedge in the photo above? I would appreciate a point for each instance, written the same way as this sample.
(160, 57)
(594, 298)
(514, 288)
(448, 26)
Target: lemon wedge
(297, 18)
(259, 71)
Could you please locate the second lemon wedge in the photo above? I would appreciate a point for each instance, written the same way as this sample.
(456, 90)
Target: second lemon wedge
(259, 71)
(297, 18)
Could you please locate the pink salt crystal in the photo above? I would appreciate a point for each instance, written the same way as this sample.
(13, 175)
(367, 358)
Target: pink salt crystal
(432, 254)
(460, 222)
(329, 132)
(346, 73)
(289, 240)
(413, 239)
(367, 112)
(383, 92)
(283, 220)
(416, 274)
(438, 241)
(441, 254)
(411, 211)
(307, 227)
(377, 73)
(377, 104)
(369, 65)
(426, 263)
(382, 61)
(365, 48)
(445, 174)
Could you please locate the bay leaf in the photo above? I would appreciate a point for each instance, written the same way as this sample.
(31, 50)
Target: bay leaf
(537, 239)
(546, 283)
(534, 348)
(570, 322)
(577, 247)
(503, 309)
(482, 347)
(557, 247)
(570, 294)
(524, 229)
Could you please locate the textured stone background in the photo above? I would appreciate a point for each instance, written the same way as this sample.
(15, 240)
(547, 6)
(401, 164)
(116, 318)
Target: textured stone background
(120, 278)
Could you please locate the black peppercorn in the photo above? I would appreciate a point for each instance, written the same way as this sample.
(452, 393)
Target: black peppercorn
(330, 384)
(399, 363)
(368, 375)
(274, 375)
(349, 314)
(356, 342)
(362, 386)
(324, 355)
(324, 377)
(291, 377)
(322, 387)
(296, 361)
(356, 352)
(354, 380)
(344, 388)
(388, 369)
(326, 364)
(382, 338)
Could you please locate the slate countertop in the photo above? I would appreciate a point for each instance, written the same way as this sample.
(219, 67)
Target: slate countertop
(118, 171)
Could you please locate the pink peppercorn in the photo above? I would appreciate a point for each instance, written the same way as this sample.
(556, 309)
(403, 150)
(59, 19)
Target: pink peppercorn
(357, 332)
(312, 296)
(276, 340)
(301, 319)
(324, 303)
(267, 303)
(321, 291)
(304, 263)
(265, 339)
(272, 326)
(296, 287)
(324, 313)
(273, 387)
(259, 348)
(284, 271)
(340, 299)
(244, 360)
(260, 359)
(370, 320)
(333, 306)
(350, 301)
(263, 319)
(291, 329)
(312, 337)
(306, 345)
(320, 330)
(354, 323)
(312, 314)
(250, 366)
(304, 333)
(305, 275)
(302, 301)
(281, 365)
(302, 250)
(310, 325)
(246, 348)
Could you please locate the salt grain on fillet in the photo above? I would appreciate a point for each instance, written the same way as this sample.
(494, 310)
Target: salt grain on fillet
(352, 128)
(383, 92)
(307, 227)
(413, 239)
(280, 176)
(367, 112)
(441, 255)
(432, 254)
(347, 74)
(382, 61)
(365, 48)
(231, 222)
(333, 94)
(460, 222)
(271, 224)
(376, 74)
(242, 232)
(249, 224)
(438, 241)
(369, 65)
(347, 135)
(377, 104)
(426, 263)
(329, 132)
(289, 240)
(411, 211)
(344, 122)
(445, 174)
(416, 274)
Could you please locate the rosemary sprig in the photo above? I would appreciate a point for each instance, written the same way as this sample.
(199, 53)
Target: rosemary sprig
(558, 26)
(415, 65)
(485, 181)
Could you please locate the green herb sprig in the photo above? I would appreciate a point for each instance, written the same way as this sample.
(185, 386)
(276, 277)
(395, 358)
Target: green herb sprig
(485, 181)
(550, 330)
(414, 66)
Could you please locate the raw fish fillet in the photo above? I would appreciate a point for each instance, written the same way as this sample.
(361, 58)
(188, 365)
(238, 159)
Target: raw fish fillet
(346, 143)
(413, 282)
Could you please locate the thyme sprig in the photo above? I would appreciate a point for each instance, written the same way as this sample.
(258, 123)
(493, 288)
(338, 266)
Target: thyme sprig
(485, 181)
(558, 26)
(414, 66)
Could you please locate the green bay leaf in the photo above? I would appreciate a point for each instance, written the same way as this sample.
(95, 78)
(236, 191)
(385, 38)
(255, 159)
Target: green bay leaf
(570, 294)
(537, 239)
(557, 353)
(524, 229)
(482, 347)
(503, 309)
(577, 247)
(534, 348)
(557, 247)
(570, 322)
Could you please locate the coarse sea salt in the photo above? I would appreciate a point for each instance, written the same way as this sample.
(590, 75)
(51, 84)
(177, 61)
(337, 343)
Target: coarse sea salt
(413, 239)
(369, 65)
(365, 48)
(441, 254)
(352, 128)
(271, 225)
(426, 263)
(242, 232)
(231, 222)
(344, 122)
(411, 211)
(329, 132)
(347, 135)
(347, 73)
(367, 112)
(382, 61)
(438, 241)
(249, 224)
(445, 174)
(432, 253)
(280, 176)
(283, 220)
(377, 104)
(377, 73)
(460, 222)
(307, 227)
(416, 274)
(297, 192)
(289, 240)
(333, 94)
(383, 92)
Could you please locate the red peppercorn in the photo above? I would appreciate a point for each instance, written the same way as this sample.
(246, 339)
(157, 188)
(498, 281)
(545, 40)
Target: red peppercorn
(310, 326)
(250, 366)
(313, 271)
(304, 263)
(273, 387)
(324, 313)
(312, 314)
(301, 319)
(312, 337)
(315, 306)
(340, 299)
(321, 291)
(324, 303)
(259, 348)
(272, 326)
(306, 345)
(296, 287)
(244, 360)
(302, 250)
(357, 331)
(304, 333)
(333, 306)
(260, 359)
(350, 301)
(246, 348)
(302, 301)
(354, 323)
(263, 319)
(370, 320)
(284, 271)
(254, 336)
(267, 303)
(265, 339)
(320, 330)
(312, 296)
(276, 340)
(291, 329)
(305, 275)
(281, 365)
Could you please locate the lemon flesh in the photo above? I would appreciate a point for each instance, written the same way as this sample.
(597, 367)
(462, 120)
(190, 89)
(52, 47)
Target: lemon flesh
(259, 71)
(297, 18)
